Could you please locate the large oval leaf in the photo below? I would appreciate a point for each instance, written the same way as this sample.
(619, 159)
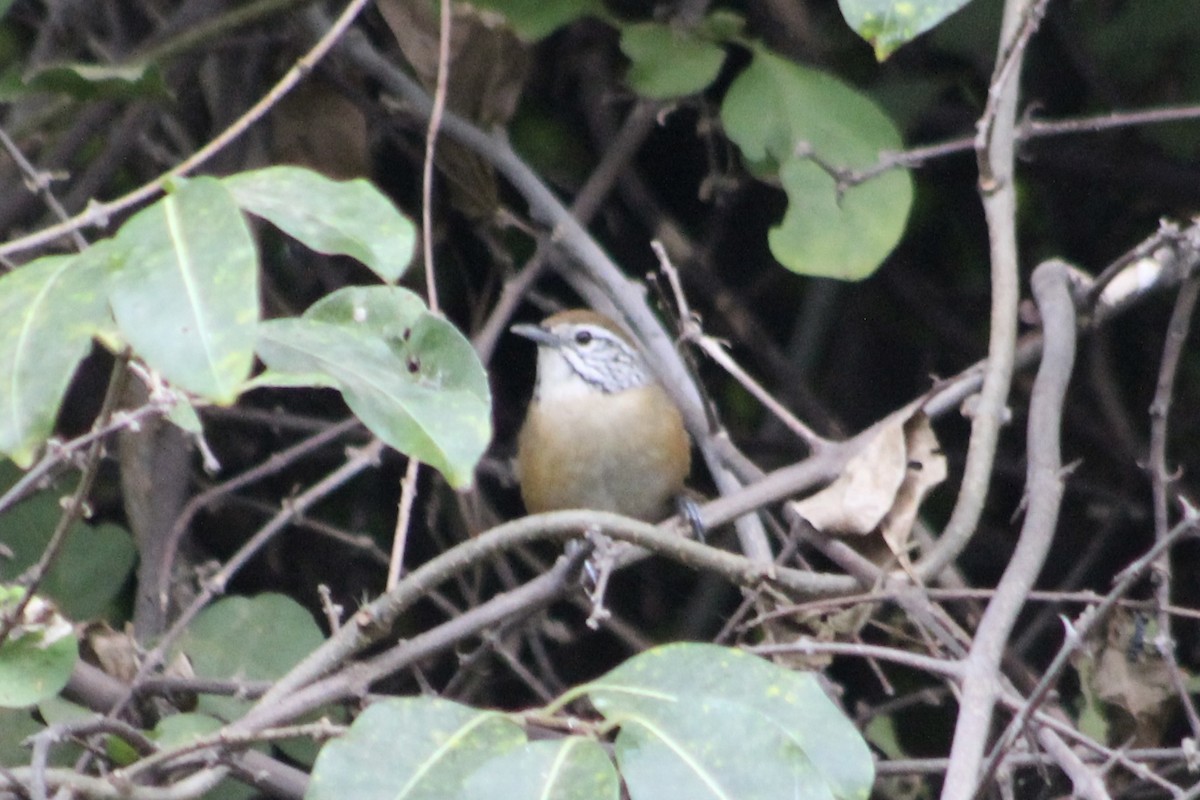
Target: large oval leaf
(800, 125)
(350, 218)
(571, 768)
(283, 632)
(678, 756)
(410, 376)
(49, 310)
(185, 289)
(683, 704)
(91, 567)
(411, 749)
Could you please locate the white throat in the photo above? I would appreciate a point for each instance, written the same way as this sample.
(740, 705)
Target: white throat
(557, 380)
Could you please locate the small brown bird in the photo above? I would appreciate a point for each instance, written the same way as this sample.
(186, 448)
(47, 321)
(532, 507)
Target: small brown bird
(600, 433)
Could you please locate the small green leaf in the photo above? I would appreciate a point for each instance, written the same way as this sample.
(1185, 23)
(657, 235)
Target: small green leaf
(571, 768)
(536, 19)
(281, 633)
(90, 569)
(185, 289)
(888, 24)
(413, 748)
(668, 61)
(800, 125)
(410, 376)
(350, 218)
(696, 715)
(49, 310)
(100, 81)
(37, 657)
(182, 730)
(18, 724)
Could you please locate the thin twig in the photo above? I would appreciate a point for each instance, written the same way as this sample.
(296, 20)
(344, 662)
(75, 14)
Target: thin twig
(408, 493)
(38, 182)
(431, 136)
(1161, 480)
(694, 333)
(408, 484)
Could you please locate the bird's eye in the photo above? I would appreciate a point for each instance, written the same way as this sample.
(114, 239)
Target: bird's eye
(583, 338)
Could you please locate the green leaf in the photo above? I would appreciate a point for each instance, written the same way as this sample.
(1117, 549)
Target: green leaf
(797, 124)
(16, 725)
(349, 218)
(37, 657)
(257, 638)
(571, 768)
(182, 730)
(100, 81)
(719, 722)
(91, 568)
(536, 19)
(59, 711)
(888, 24)
(185, 289)
(676, 757)
(668, 61)
(410, 376)
(411, 748)
(49, 310)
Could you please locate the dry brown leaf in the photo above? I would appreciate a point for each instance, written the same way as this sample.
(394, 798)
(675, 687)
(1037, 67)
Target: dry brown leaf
(881, 489)
(858, 500)
(1134, 683)
(925, 469)
(112, 651)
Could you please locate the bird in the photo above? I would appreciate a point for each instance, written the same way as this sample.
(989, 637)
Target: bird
(601, 432)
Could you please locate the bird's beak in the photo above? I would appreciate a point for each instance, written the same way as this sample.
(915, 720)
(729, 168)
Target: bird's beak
(537, 334)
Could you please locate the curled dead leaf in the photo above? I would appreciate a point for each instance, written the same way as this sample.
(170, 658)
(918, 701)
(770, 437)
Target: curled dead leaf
(881, 489)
